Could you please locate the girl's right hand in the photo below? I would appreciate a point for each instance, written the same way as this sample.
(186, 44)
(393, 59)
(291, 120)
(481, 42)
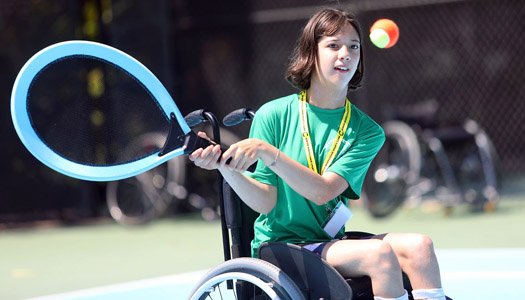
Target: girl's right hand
(207, 158)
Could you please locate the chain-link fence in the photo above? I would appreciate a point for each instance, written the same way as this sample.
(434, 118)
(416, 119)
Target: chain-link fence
(464, 55)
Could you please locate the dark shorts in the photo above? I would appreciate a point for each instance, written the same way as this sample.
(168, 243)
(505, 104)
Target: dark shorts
(317, 248)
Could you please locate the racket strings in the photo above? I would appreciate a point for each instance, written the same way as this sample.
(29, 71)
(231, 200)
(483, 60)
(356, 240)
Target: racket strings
(92, 112)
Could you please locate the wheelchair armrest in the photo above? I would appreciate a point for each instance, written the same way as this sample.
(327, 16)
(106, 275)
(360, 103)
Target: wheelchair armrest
(357, 235)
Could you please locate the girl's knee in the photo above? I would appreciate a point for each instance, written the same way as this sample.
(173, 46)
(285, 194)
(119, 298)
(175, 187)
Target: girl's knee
(421, 253)
(423, 246)
(384, 258)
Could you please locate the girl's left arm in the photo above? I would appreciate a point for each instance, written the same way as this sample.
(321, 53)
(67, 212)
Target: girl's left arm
(314, 187)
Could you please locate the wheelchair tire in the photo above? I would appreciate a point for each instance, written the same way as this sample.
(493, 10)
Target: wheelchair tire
(140, 199)
(479, 171)
(267, 279)
(396, 166)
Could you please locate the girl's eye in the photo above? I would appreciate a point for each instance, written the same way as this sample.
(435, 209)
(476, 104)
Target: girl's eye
(333, 46)
(355, 46)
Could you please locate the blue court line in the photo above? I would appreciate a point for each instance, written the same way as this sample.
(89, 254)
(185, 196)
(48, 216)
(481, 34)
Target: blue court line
(482, 274)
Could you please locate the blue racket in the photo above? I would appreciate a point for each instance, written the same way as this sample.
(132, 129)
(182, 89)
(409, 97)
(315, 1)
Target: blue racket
(77, 106)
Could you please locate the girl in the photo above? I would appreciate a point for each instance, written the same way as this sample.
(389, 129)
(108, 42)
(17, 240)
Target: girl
(314, 149)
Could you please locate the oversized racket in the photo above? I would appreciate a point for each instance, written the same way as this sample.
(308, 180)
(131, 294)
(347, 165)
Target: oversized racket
(77, 106)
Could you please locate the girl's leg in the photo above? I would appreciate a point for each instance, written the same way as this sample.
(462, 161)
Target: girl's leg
(374, 258)
(415, 253)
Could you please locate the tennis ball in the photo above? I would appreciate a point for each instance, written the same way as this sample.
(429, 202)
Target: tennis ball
(384, 33)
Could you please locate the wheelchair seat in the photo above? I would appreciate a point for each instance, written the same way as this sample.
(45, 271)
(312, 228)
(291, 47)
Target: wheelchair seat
(316, 278)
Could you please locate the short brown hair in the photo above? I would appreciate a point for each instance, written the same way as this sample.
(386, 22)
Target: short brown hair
(325, 22)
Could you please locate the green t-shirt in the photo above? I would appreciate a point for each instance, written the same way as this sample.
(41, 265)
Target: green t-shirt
(295, 219)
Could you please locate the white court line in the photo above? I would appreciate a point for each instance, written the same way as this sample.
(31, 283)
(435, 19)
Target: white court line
(185, 278)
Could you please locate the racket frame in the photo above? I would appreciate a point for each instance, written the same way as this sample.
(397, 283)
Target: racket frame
(23, 124)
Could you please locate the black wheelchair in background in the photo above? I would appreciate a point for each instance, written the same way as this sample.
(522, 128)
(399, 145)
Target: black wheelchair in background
(423, 160)
(282, 271)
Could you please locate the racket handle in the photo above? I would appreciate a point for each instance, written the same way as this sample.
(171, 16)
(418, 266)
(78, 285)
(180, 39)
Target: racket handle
(201, 143)
(189, 142)
(195, 142)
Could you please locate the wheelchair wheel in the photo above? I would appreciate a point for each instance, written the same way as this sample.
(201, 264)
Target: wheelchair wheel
(140, 199)
(477, 171)
(396, 167)
(246, 278)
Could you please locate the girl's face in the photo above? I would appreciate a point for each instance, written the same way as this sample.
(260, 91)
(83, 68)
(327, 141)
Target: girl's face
(337, 59)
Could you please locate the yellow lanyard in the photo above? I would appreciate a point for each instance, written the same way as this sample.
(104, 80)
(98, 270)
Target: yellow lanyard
(306, 134)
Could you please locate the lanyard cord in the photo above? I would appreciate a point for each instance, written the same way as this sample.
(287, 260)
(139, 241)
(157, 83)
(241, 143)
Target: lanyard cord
(310, 158)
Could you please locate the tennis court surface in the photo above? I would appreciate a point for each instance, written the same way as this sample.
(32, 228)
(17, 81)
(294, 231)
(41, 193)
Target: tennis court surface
(482, 256)
(467, 274)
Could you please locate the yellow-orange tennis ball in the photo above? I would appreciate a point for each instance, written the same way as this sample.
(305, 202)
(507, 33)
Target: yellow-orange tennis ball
(384, 33)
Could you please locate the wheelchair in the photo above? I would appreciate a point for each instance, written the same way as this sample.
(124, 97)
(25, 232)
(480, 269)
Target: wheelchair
(422, 160)
(282, 270)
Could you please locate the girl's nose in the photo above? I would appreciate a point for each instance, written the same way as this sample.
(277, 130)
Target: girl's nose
(344, 54)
